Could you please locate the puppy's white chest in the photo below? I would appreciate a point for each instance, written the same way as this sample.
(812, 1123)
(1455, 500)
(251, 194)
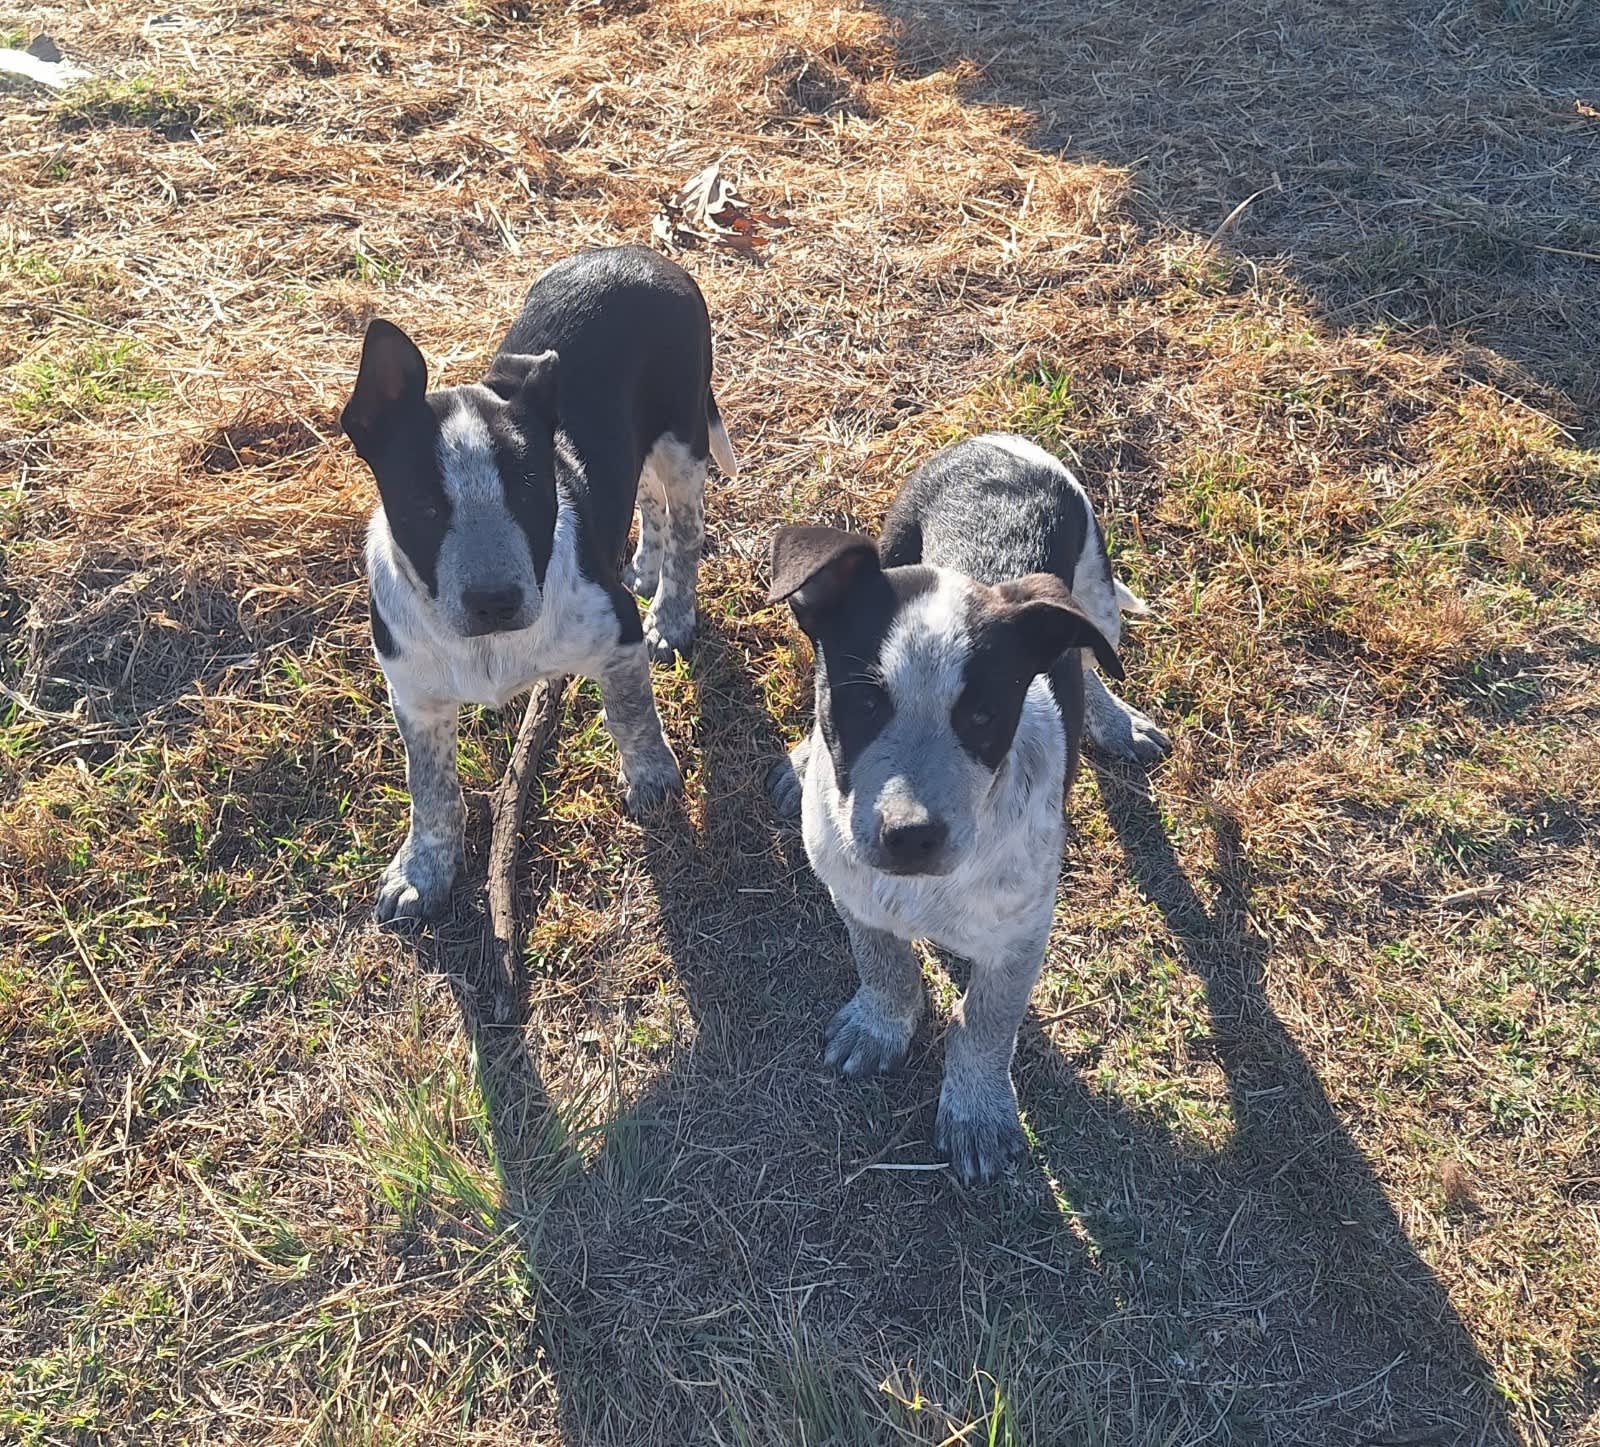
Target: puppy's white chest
(495, 669)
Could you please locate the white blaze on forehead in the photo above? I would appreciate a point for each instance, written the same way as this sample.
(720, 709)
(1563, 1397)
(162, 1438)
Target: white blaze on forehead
(925, 651)
(467, 462)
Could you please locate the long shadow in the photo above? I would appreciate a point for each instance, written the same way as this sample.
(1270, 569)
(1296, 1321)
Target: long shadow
(1335, 1326)
(1406, 162)
(530, 1142)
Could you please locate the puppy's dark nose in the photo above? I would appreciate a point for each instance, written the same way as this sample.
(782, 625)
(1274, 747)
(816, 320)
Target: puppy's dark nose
(913, 848)
(490, 610)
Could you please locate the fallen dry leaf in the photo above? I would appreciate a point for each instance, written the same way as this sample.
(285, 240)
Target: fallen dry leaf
(708, 209)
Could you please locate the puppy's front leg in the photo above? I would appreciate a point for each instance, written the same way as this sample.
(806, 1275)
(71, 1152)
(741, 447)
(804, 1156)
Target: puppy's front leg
(872, 1033)
(417, 882)
(649, 768)
(977, 1124)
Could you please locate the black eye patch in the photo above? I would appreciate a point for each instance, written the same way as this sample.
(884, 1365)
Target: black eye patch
(853, 707)
(405, 466)
(853, 713)
(985, 715)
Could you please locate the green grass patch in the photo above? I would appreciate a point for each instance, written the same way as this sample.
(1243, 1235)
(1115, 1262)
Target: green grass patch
(94, 380)
(170, 110)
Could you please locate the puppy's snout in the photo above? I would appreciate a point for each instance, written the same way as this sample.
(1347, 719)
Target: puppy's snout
(913, 844)
(492, 610)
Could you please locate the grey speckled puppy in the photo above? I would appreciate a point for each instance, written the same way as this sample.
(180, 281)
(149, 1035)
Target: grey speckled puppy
(952, 659)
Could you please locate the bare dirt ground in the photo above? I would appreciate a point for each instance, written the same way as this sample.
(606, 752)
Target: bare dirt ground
(1310, 1078)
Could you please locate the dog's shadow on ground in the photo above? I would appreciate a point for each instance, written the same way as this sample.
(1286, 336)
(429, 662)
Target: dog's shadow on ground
(755, 1242)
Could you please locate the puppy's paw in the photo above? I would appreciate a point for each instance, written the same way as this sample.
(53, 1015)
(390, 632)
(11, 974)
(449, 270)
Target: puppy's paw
(1120, 731)
(786, 781)
(1146, 740)
(641, 577)
(645, 787)
(978, 1130)
(668, 633)
(416, 885)
(866, 1037)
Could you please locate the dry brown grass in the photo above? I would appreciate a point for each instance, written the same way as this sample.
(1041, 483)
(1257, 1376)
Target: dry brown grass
(1310, 1075)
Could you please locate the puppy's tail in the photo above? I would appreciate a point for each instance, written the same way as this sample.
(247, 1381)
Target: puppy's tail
(1130, 602)
(721, 448)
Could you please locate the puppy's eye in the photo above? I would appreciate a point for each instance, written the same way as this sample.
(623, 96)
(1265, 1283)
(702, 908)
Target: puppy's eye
(981, 718)
(865, 699)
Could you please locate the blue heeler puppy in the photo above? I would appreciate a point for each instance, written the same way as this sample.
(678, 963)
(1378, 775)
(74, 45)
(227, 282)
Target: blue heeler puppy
(496, 553)
(955, 669)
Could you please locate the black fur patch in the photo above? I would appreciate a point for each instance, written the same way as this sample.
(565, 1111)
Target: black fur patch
(405, 464)
(995, 681)
(1019, 630)
(981, 510)
(634, 341)
(852, 707)
(383, 638)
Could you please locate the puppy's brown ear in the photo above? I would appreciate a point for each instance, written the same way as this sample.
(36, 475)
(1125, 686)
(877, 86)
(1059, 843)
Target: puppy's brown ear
(392, 376)
(813, 568)
(530, 378)
(1049, 622)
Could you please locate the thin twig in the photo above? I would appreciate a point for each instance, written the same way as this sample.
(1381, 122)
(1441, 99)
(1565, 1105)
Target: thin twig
(510, 803)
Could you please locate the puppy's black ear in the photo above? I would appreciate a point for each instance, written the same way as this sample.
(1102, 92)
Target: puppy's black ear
(813, 567)
(1049, 622)
(529, 378)
(392, 375)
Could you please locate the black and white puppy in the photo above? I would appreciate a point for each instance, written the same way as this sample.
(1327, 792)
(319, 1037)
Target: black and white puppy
(495, 556)
(950, 696)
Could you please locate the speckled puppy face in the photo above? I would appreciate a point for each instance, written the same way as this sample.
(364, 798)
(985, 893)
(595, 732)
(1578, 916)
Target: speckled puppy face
(466, 477)
(921, 677)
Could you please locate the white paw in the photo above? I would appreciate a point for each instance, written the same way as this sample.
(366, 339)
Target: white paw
(668, 633)
(416, 885)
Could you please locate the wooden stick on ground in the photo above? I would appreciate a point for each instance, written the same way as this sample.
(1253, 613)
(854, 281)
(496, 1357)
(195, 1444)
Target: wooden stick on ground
(505, 828)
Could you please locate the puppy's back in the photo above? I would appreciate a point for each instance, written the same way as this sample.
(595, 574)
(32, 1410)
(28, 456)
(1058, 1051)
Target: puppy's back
(992, 507)
(635, 344)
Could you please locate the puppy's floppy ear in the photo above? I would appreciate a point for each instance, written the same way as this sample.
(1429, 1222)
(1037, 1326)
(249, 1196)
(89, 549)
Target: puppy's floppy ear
(1049, 622)
(812, 568)
(392, 375)
(529, 378)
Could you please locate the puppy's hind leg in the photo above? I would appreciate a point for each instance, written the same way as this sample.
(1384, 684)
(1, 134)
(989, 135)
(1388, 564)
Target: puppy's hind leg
(1116, 728)
(643, 574)
(669, 625)
(872, 1033)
